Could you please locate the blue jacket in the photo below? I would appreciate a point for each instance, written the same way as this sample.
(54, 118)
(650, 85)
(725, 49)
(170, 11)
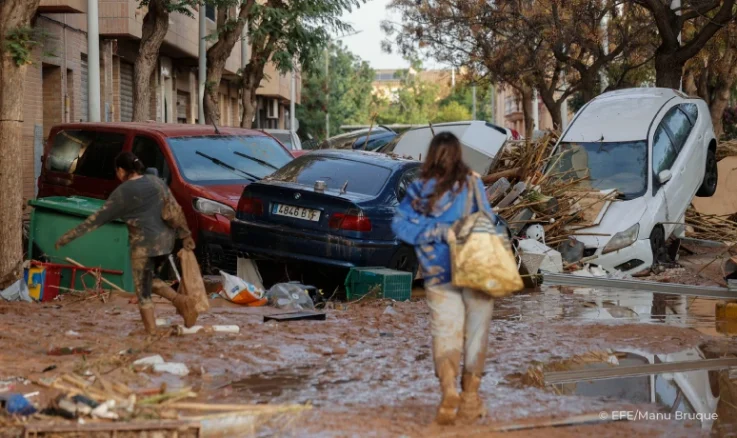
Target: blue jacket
(427, 232)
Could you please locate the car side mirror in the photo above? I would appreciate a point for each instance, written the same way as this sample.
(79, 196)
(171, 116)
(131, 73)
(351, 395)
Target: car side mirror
(665, 176)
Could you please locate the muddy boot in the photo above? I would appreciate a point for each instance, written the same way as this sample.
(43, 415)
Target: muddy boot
(185, 305)
(472, 407)
(448, 385)
(149, 319)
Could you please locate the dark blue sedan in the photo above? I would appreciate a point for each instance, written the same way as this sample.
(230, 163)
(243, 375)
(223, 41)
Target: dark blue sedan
(331, 207)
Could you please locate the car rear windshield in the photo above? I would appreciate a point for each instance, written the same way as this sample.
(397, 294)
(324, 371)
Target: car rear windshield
(603, 166)
(227, 158)
(362, 178)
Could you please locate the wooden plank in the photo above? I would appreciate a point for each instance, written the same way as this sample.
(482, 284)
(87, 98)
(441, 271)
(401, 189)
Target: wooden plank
(112, 427)
(574, 420)
(497, 190)
(615, 372)
(512, 196)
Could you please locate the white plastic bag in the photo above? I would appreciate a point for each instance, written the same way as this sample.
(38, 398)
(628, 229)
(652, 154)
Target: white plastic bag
(240, 291)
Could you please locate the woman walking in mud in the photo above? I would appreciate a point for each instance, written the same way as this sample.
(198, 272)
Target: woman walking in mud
(459, 318)
(154, 220)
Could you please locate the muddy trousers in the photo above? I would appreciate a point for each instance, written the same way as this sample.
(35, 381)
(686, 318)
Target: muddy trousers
(459, 320)
(145, 277)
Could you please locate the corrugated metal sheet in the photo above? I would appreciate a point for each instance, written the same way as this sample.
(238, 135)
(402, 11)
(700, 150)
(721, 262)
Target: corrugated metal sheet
(84, 92)
(126, 92)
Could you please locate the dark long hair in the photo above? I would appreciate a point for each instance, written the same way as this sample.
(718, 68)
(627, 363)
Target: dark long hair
(130, 163)
(444, 163)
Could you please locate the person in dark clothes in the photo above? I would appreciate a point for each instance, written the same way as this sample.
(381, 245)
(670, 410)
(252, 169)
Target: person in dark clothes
(155, 220)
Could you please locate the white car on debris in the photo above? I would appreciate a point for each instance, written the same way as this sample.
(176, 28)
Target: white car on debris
(655, 147)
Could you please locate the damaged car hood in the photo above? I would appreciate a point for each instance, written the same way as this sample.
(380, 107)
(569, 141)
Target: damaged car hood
(619, 216)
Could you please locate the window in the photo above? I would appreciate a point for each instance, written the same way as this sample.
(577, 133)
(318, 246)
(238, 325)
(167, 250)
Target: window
(85, 153)
(355, 176)
(664, 153)
(210, 12)
(405, 181)
(678, 126)
(148, 151)
(604, 166)
(692, 111)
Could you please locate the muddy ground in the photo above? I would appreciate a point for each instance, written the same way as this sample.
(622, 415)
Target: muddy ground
(367, 369)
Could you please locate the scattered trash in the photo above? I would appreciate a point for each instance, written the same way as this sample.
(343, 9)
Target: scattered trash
(72, 333)
(163, 322)
(290, 296)
(571, 250)
(176, 368)
(296, 316)
(68, 351)
(17, 292)
(49, 368)
(149, 361)
(17, 404)
(539, 257)
(208, 329)
(248, 271)
(389, 311)
(240, 291)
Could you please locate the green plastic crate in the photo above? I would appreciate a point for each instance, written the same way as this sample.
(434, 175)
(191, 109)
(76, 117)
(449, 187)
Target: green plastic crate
(383, 282)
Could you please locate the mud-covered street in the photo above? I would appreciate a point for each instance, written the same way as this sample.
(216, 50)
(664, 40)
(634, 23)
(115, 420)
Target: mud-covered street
(367, 369)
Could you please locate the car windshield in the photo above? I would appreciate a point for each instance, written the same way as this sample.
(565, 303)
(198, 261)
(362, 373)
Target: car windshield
(614, 165)
(338, 173)
(285, 139)
(228, 158)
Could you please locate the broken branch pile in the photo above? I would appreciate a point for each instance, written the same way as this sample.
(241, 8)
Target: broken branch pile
(522, 192)
(711, 227)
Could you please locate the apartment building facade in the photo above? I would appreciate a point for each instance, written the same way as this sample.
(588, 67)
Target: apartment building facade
(57, 80)
(508, 111)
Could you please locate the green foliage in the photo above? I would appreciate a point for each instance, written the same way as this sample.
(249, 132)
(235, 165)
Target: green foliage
(20, 43)
(453, 112)
(297, 30)
(414, 102)
(462, 94)
(348, 95)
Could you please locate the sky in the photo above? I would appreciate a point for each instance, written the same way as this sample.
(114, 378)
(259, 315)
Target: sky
(367, 44)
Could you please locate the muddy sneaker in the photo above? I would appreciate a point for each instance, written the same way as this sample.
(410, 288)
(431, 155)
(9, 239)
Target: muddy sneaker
(471, 407)
(186, 308)
(448, 384)
(448, 409)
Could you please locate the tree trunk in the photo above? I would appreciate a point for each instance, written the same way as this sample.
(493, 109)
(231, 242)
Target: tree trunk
(252, 76)
(155, 27)
(553, 107)
(719, 103)
(14, 15)
(668, 70)
(527, 95)
(217, 56)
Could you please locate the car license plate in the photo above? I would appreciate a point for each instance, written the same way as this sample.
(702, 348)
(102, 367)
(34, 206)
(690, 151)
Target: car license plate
(297, 212)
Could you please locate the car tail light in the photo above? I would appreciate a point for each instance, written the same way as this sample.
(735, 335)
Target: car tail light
(350, 222)
(251, 205)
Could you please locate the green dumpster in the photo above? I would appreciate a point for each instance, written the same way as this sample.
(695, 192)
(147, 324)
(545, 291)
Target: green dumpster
(106, 247)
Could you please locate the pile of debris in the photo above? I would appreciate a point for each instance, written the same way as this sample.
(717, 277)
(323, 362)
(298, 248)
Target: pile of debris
(96, 403)
(523, 193)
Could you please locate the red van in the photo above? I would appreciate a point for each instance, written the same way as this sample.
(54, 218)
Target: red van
(206, 170)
